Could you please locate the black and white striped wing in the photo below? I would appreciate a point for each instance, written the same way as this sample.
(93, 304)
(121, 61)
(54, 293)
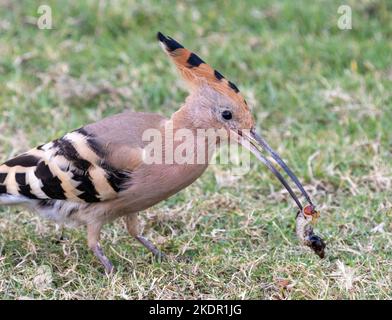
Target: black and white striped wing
(71, 168)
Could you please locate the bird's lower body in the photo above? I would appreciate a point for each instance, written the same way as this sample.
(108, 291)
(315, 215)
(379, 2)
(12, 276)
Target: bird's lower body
(70, 214)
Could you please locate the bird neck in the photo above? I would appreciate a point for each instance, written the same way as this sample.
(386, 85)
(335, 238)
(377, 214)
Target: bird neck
(190, 116)
(183, 119)
(186, 128)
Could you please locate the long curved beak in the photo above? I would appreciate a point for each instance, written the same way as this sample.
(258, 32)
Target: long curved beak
(254, 143)
(260, 140)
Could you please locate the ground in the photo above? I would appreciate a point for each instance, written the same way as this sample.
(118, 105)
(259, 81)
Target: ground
(321, 96)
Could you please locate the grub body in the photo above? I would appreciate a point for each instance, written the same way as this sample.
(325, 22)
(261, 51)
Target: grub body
(305, 234)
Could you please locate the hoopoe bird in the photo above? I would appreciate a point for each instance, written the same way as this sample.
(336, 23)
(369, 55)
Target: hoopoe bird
(96, 174)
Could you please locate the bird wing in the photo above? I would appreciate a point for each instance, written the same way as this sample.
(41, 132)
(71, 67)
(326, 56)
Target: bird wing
(70, 168)
(91, 164)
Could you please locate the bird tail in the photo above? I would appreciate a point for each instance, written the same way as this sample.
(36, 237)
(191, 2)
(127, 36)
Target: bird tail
(4, 196)
(7, 197)
(3, 187)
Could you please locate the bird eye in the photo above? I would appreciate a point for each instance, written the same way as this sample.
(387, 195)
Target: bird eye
(227, 115)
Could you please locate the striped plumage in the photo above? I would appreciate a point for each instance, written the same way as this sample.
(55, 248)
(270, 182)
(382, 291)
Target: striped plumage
(70, 168)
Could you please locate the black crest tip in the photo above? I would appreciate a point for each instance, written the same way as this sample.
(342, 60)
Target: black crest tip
(169, 42)
(161, 37)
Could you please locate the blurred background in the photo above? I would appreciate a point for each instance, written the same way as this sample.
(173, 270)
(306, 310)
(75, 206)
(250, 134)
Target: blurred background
(321, 96)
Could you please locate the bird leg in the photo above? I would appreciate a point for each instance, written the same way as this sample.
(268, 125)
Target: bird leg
(93, 235)
(132, 223)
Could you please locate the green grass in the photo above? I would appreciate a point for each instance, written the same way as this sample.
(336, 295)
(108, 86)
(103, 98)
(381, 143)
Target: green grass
(321, 96)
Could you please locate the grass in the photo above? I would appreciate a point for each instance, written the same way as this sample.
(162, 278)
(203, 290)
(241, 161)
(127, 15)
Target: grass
(321, 96)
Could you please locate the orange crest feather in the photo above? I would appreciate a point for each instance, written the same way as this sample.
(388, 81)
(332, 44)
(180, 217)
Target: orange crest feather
(196, 72)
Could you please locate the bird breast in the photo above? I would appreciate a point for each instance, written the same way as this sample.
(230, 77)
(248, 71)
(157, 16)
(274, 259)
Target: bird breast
(151, 184)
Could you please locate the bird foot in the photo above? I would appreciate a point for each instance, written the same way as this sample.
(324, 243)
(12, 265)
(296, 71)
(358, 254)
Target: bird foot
(159, 255)
(98, 252)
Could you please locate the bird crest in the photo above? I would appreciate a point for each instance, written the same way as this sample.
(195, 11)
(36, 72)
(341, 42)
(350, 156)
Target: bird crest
(196, 72)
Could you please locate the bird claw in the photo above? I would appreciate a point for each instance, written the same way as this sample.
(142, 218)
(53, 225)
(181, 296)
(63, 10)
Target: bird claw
(109, 268)
(159, 256)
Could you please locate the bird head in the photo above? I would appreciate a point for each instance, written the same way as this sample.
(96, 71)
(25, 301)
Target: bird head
(215, 102)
